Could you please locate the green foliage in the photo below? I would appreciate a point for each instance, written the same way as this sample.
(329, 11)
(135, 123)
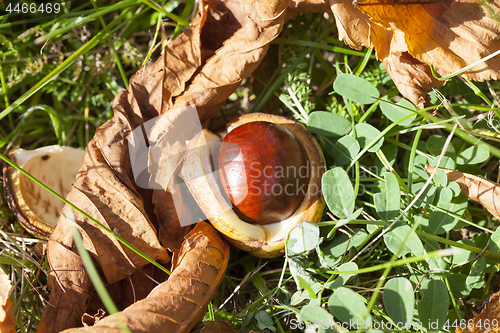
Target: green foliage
(355, 89)
(433, 307)
(401, 240)
(387, 202)
(315, 314)
(474, 155)
(346, 305)
(338, 192)
(264, 321)
(328, 124)
(399, 300)
(303, 238)
(377, 146)
(395, 112)
(344, 150)
(368, 137)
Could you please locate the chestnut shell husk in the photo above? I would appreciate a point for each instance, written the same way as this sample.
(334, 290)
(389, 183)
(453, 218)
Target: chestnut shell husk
(35, 208)
(267, 240)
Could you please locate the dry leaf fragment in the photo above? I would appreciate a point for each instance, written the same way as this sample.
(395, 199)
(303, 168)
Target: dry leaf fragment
(447, 34)
(177, 305)
(484, 191)
(151, 93)
(89, 320)
(297, 7)
(236, 59)
(217, 326)
(412, 77)
(486, 318)
(7, 317)
(354, 26)
(153, 87)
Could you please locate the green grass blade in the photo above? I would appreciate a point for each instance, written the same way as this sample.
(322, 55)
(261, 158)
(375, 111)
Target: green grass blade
(93, 274)
(171, 16)
(63, 66)
(317, 45)
(121, 5)
(110, 42)
(466, 68)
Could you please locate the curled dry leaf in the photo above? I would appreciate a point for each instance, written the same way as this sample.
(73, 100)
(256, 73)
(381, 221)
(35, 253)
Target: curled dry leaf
(178, 304)
(412, 77)
(88, 320)
(200, 69)
(485, 317)
(154, 88)
(484, 191)
(103, 194)
(7, 317)
(238, 57)
(297, 7)
(446, 34)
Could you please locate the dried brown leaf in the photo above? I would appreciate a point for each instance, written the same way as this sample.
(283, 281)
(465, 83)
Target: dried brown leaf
(153, 87)
(447, 34)
(89, 320)
(178, 304)
(412, 77)
(101, 191)
(354, 26)
(297, 7)
(486, 318)
(151, 93)
(217, 326)
(127, 291)
(106, 189)
(309, 6)
(236, 59)
(484, 191)
(7, 317)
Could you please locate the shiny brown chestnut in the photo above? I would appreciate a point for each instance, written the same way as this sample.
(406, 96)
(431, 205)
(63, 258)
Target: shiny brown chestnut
(263, 169)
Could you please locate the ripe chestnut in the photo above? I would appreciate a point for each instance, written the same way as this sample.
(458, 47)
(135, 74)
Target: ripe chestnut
(266, 235)
(263, 169)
